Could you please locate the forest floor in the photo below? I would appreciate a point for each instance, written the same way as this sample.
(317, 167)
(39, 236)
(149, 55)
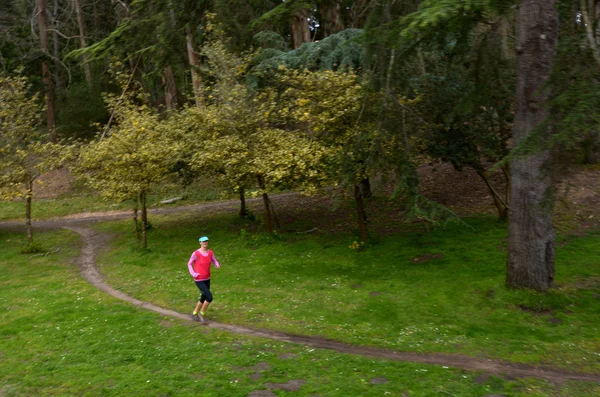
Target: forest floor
(578, 210)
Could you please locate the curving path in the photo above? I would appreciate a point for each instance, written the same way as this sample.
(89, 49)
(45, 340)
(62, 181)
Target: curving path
(94, 241)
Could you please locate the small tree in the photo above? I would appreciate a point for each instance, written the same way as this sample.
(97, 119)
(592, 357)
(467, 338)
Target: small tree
(131, 160)
(327, 106)
(24, 151)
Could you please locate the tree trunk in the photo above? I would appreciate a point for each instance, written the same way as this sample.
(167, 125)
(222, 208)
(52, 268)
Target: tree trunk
(500, 204)
(360, 212)
(588, 22)
(265, 197)
(531, 235)
(243, 209)
(193, 61)
(56, 47)
(365, 188)
(168, 79)
(300, 30)
(144, 220)
(80, 23)
(136, 225)
(331, 14)
(42, 19)
(28, 198)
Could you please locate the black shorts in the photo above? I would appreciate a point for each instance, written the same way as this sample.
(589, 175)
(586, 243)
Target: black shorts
(204, 287)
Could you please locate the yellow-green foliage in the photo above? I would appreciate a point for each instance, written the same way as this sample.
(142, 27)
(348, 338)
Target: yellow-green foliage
(327, 103)
(329, 106)
(24, 153)
(239, 141)
(132, 159)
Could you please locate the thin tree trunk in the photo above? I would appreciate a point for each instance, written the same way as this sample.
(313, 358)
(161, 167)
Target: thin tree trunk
(531, 236)
(193, 61)
(42, 19)
(506, 172)
(274, 213)
(300, 30)
(96, 18)
(360, 213)
(168, 79)
(365, 188)
(80, 23)
(28, 198)
(135, 222)
(500, 204)
(265, 197)
(243, 210)
(56, 46)
(144, 220)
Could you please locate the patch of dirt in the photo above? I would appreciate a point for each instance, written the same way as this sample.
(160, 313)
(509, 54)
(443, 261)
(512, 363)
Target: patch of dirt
(288, 356)
(535, 312)
(426, 258)
(261, 366)
(464, 192)
(53, 184)
(262, 393)
(577, 208)
(379, 381)
(292, 385)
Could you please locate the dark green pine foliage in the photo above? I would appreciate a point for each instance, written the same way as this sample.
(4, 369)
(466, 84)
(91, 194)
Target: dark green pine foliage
(454, 58)
(236, 18)
(340, 51)
(576, 83)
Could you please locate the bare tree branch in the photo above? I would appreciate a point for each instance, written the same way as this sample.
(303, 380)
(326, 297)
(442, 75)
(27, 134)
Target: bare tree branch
(63, 35)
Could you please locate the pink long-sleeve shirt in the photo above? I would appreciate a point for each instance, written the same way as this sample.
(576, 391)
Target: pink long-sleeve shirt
(199, 265)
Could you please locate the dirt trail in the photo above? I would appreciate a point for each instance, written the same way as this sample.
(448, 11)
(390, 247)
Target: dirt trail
(93, 242)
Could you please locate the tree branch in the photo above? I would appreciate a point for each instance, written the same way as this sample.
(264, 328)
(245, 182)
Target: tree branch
(112, 114)
(46, 254)
(63, 35)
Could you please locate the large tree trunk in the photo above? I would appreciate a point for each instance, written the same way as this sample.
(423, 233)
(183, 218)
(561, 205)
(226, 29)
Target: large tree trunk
(28, 198)
(332, 17)
(42, 19)
(80, 23)
(193, 61)
(531, 235)
(300, 30)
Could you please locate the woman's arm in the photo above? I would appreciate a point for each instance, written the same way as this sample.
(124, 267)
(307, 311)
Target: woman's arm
(215, 261)
(191, 265)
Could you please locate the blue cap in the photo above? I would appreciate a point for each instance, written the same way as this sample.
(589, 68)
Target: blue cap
(203, 238)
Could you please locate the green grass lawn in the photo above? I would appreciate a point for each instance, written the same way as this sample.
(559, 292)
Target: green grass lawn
(59, 336)
(317, 285)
